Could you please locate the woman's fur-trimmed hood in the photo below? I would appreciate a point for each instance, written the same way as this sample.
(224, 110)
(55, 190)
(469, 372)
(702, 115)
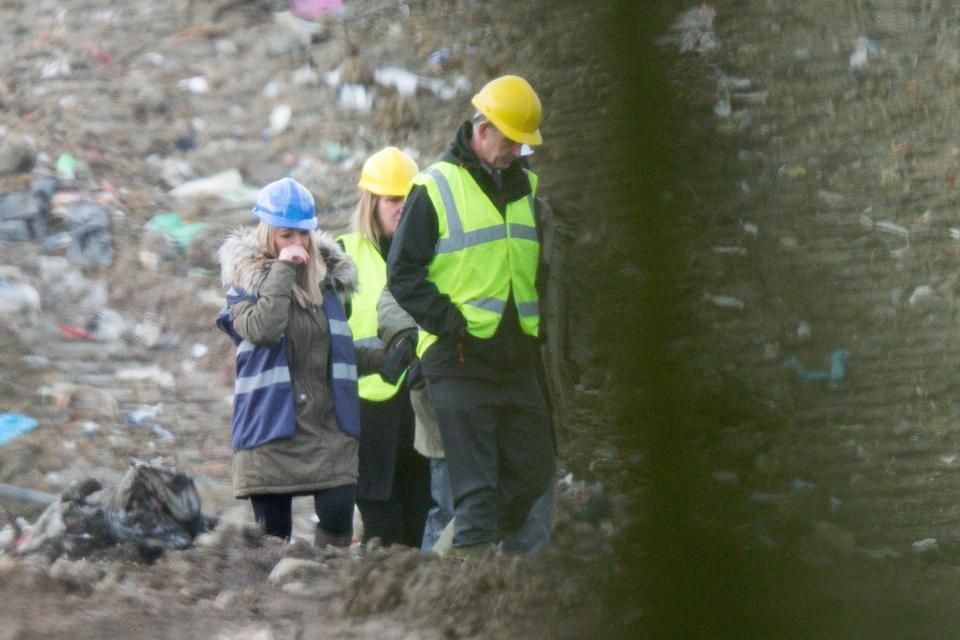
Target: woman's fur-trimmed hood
(243, 263)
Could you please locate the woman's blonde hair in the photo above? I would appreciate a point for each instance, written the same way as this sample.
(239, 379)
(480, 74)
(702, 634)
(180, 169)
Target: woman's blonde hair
(306, 289)
(365, 218)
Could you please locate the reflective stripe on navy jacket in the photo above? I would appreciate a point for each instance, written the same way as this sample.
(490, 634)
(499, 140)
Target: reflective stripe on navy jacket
(263, 405)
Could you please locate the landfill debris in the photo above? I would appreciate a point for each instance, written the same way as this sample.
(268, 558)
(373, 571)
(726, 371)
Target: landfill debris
(926, 545)
(863, 48)
(90, 228)
(313, 9)
(66, 167)
(725, 302)
(81, 398)
(226, 185)
(279, 119)
(13, 425)
(152, 373)
(405, 82)
(195, 84)
(179, 233)
(948, 460)
(836, 373)
(143, 415)
(199, 350)
(22, 216)
(356, 97)
(18, 299)
(696, 30)
(153, 508)
(830, 198)
(74, 332)
(922, 296)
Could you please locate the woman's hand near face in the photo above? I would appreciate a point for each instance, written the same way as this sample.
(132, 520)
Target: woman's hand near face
(293, 254)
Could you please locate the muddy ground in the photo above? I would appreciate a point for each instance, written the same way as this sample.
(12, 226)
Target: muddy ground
(760, 329)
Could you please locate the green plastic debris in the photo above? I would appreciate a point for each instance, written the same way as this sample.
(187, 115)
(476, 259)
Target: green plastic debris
(176, 230)
(66, 167)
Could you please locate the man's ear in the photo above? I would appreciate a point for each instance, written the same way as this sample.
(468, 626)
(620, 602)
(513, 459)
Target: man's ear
(481, 128)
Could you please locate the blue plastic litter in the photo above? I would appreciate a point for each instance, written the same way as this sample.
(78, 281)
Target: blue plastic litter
(13, 425)
(838, 361)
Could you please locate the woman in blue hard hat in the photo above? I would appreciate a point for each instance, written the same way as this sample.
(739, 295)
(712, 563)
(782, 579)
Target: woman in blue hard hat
(296, 417)
(393, 491)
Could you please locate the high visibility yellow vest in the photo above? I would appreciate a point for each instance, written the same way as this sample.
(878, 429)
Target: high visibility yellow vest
(482, 254)
(371, 279)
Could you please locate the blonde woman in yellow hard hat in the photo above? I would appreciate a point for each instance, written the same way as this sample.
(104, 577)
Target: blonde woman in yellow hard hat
(393, 489)
(464, 264)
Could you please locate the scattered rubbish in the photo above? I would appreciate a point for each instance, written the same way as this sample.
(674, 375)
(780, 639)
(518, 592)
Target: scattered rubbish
(792, 171)
(722, 109)
(750, 228)
(927, 545)
(90, 428)
(356, 97)
(948, 460)
(762, 497)
(737, 251)
(726, 302)
(199, 350)
(26, 495)
(335, 153)
(17, 298)
(13, 425)
(405, 82)
(892, 228)
(92, 239)
(731, 83)
(829, 198)
(313, 9)
(696, 30)
(863, 48)
(801, 485)
(836, 373)
(74, 332)
(922, 296)
(438, 59)
(803, 330)
(143, 415)
(55, 69)
(279, 119)
(179, 233)
(147, 333)
(195, 84)
(152, 374)
(81, 398)
(22, 217)
(884, 553)
(108, 325)
(227, 185)
(162, 433)
(152, 508)
(66, 167)
(834, 503)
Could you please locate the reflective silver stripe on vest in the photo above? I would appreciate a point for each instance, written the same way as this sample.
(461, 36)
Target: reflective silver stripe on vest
(261, 380)
(454, 230)
(529, 308)
(245, 346)
(343, 371)
(339, 328)
(471, 239)
(488, 304)
(523, 231)
(368, 342)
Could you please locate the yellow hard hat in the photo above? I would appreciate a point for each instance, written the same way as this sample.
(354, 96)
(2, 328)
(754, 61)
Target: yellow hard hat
(511, 104)
(388, 172)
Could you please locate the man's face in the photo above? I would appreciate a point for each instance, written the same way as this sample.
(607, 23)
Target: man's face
(493, 148)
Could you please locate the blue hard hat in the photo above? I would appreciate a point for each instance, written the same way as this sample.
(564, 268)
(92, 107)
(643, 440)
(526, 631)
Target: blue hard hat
(286, 203)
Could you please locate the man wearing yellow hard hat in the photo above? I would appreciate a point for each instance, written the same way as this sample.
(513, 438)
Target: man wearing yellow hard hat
(464, 264)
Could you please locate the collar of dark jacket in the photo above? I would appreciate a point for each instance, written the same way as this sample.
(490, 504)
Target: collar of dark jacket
(516, 185)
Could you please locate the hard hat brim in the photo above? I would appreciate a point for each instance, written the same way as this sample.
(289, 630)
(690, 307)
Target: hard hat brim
(307, 224)
(378, 190)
